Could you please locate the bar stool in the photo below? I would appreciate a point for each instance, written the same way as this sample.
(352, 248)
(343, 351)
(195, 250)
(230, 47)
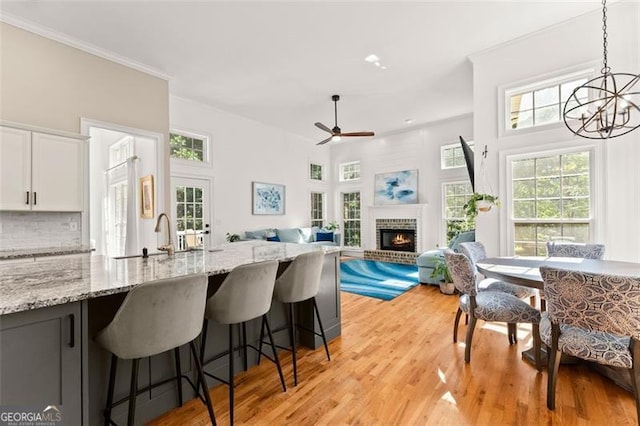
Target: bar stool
(244, 295)
(300, 282)
(155, 317)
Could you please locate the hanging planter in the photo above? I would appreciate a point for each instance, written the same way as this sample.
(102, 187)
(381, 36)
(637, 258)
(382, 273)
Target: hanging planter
(480, 203)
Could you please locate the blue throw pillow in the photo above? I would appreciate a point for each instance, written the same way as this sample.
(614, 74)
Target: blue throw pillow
(289, 235)
(324, 236)
(274, 238)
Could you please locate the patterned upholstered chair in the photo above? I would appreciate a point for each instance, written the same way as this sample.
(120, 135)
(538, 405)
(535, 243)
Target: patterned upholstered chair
(488, 305)
(585, 251)
(592, 317)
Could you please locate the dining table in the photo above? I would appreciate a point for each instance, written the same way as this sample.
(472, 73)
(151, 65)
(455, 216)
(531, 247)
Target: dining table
(525, 271)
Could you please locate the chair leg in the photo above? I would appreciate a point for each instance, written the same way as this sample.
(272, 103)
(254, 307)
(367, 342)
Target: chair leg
(324, 338)
(455, 325)
(275, 353)
(203, 380)
(244, 346)
(112, 382)
(261, 339)
(634, 348)
(511, 331)
(535, 330)
(176, 352)
(231, 374)
(133, 390)
(292, 339)
(554, 356)
(467, 342)
(203, 339)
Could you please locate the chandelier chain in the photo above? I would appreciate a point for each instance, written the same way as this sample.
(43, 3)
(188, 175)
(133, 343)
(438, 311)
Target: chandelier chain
(605, 68)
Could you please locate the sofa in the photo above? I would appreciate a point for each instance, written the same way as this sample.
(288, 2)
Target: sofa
(311, 235)
(427, 260)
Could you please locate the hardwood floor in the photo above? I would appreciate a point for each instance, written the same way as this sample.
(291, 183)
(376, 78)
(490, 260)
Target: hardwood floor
(396, 363)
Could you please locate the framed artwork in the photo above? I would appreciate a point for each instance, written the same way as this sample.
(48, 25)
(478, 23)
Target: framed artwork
(146, 197)
(267, 198)
(396, 188)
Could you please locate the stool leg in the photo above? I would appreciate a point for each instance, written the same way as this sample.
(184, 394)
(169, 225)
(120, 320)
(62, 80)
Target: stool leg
(292, 338)
(202, 379)
(231, 374)
(275, 352)
(261, 339)
(324, 338)
(112, 382)
(244, 346)
(133, 391)
(176, 352)
(203, 339)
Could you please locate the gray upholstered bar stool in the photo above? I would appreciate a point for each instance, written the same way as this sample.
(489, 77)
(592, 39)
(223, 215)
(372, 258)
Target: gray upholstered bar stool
(155, 317)
(300, 282)
(244, 295)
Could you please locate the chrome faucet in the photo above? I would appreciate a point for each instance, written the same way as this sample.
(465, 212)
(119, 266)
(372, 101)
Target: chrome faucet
(169, 246)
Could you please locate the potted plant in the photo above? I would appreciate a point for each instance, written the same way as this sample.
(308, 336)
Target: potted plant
(232, 237)
(440, 271)
(479, 203)
(332, 226)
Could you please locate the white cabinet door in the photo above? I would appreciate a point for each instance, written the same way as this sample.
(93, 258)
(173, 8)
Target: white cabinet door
(57, 173)
(15, 169)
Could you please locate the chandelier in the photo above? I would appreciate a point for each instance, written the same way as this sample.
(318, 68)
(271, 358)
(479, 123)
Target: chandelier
(606, 106)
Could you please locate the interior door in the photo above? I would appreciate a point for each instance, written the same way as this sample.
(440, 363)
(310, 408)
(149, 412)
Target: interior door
(191, 201)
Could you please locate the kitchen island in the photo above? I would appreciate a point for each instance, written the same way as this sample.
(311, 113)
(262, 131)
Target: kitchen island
(52, 309)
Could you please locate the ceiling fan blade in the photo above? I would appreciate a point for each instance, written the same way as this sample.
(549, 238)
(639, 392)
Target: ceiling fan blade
(358, 134)
(325, 141)
(323, 127)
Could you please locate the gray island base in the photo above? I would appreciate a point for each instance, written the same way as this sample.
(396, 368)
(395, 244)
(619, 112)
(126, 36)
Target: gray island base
(52, 309)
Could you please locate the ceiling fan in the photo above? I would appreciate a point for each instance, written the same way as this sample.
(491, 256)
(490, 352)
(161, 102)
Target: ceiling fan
(336, 133)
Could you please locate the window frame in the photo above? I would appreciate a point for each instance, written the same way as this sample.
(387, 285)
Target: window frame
(444, 205)
(453, 146)
(596, 188)
(323, 173)
(323, 210)
(342, 166)
(206, 148)
(547, 81)
(345, 220)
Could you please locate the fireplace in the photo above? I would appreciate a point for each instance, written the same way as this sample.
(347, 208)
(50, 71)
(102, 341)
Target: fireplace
(398, 239)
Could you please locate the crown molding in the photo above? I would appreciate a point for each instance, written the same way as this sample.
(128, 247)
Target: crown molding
(79, 44)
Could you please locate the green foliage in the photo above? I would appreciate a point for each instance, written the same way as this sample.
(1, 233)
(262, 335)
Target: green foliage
(332, 226)
(232, 237)
(440, 270)
(455, 227)
(186, 148)
(471, 207)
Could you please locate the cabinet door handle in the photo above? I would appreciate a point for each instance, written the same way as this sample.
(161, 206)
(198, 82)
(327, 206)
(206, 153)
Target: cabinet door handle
(34, 198)
(27, 198)
(72, 330)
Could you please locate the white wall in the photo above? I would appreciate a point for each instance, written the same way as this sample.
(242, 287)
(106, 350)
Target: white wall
(243, 151)
(570, 46)
(413, 149)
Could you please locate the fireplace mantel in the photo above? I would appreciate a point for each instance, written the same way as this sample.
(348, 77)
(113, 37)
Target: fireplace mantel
(398, 211)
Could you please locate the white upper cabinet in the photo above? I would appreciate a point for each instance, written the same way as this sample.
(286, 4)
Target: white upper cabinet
(40, 171)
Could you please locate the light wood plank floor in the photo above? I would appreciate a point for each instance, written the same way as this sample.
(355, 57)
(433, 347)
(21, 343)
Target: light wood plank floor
(396, 363)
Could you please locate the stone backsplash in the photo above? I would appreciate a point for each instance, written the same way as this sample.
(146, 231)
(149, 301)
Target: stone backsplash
(34, 230)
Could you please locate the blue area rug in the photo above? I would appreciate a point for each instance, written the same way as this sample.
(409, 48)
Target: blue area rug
(382, 280)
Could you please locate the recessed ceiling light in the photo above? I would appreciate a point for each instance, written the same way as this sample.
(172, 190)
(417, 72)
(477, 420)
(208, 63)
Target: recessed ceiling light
(408, 121)
(383, 67)
(372, 59)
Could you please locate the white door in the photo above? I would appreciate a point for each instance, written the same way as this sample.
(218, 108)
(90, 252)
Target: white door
(191, 201)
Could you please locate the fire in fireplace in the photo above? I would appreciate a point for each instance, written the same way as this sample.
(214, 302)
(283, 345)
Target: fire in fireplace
(398, 239)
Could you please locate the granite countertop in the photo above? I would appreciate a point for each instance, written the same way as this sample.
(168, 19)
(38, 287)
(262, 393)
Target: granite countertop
(42, 252)
(32, 285)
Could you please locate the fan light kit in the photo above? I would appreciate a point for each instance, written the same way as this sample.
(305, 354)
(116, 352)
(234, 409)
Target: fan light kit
(336, 133)
(607, 106)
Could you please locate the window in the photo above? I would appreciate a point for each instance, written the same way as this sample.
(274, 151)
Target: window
(188, 147)
(452, 156)
(541, 103)
(351, 218)
(551, 200)
(189, 212)
(350, 171)
(316, 172)
(455, 195)
(317, 209)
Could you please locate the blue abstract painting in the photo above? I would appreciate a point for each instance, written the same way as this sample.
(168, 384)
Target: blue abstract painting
(396, 188)
(268, 198)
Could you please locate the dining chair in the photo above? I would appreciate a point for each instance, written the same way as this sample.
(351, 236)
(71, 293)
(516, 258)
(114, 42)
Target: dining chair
(476, 252)
(488, 305)
(585, 251)
(592, 317)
